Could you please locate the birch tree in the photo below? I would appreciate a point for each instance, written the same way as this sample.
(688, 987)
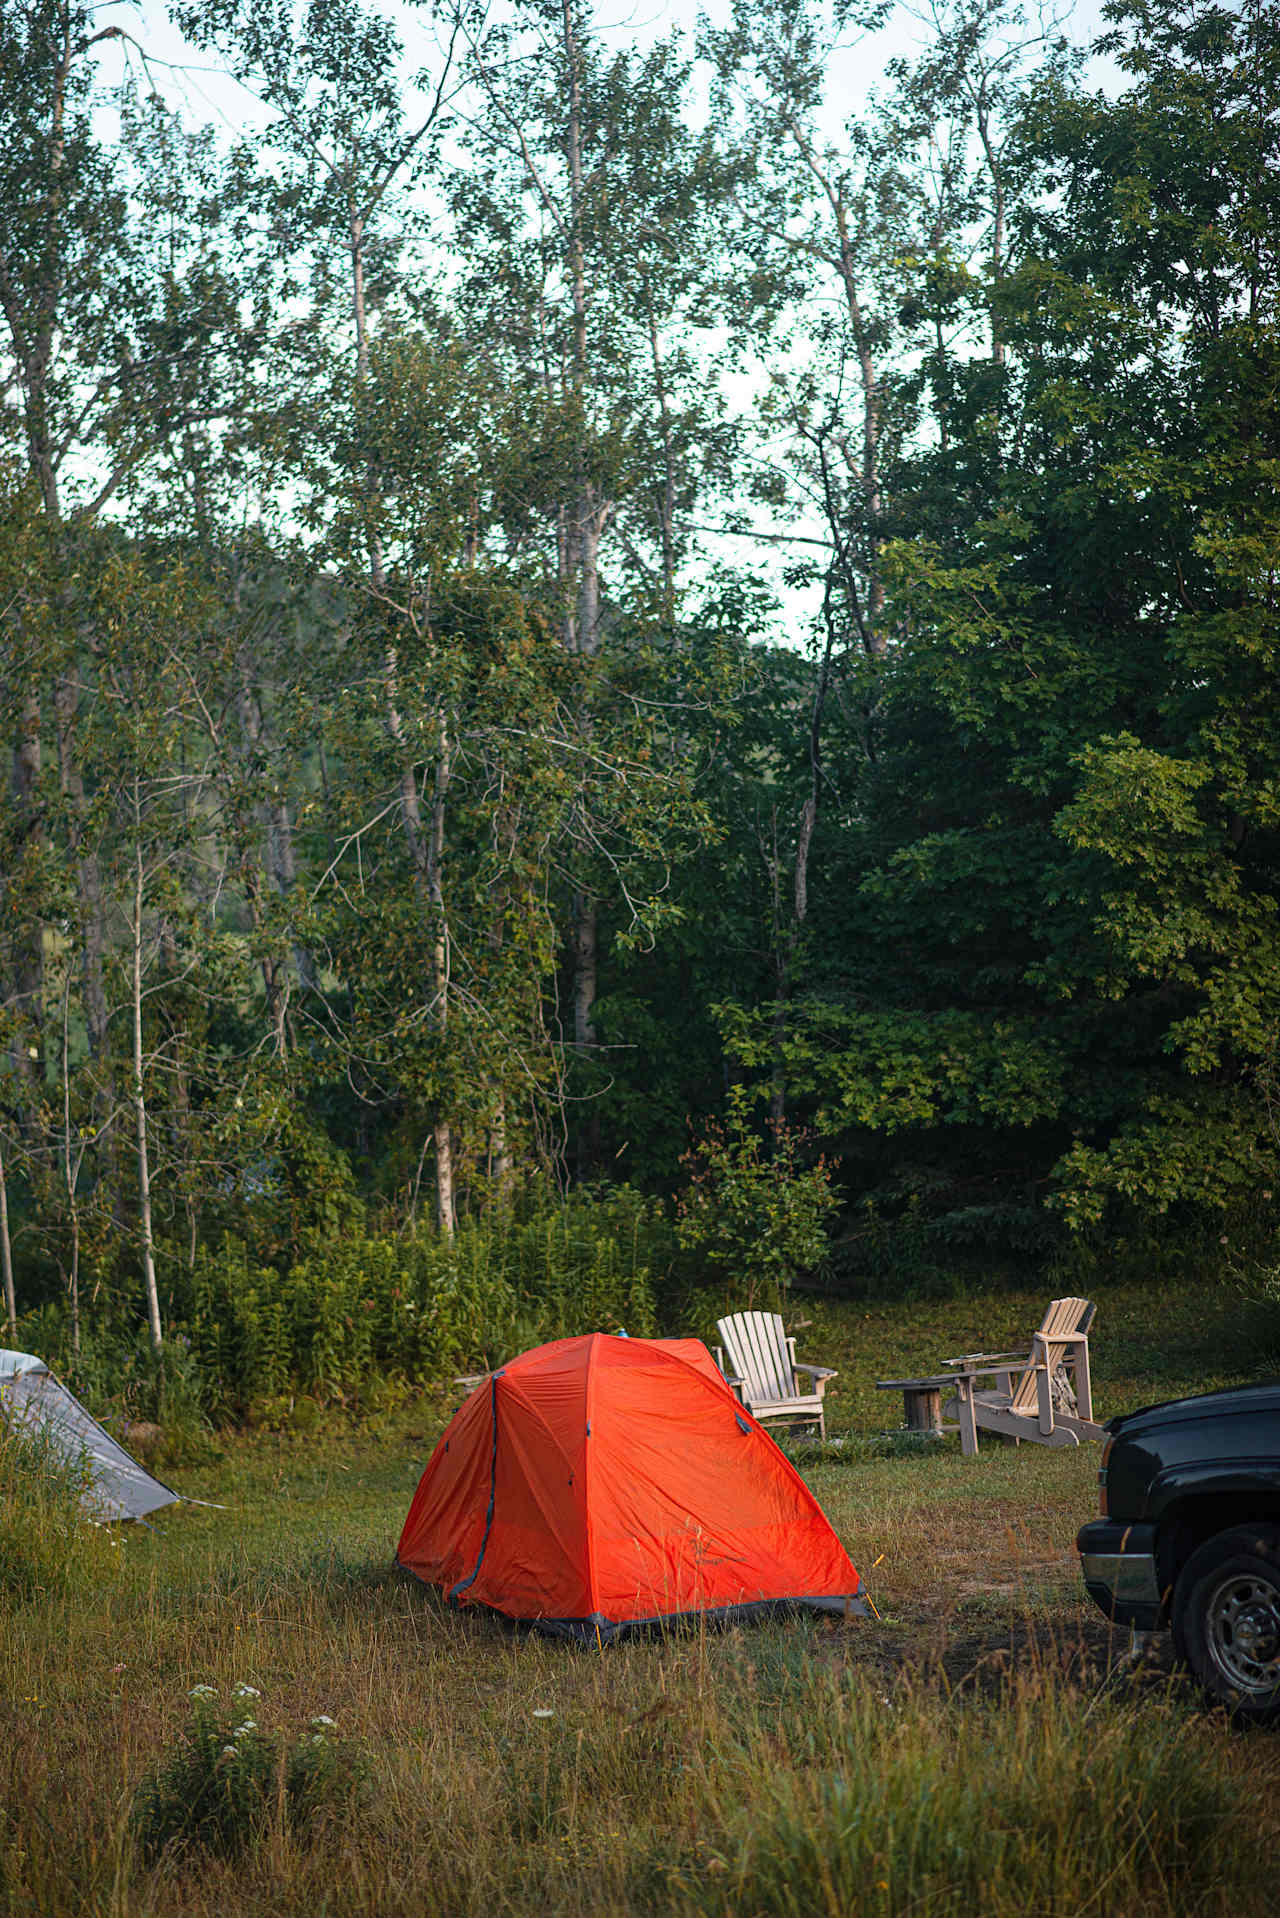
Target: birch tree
(586, 217)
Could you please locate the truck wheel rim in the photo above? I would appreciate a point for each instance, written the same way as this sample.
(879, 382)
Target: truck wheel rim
(1243, 1633)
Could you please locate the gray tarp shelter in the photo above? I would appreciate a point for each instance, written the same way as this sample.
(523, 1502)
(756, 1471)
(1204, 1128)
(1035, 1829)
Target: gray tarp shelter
(31, 1396)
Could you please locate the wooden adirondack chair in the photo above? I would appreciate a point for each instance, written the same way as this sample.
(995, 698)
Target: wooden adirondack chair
(1043, 1394)
(759, 1361)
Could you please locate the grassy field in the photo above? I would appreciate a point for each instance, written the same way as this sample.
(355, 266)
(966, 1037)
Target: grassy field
(980, 1744)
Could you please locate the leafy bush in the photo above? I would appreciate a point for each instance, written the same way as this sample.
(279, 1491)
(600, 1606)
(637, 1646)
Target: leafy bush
(238, 1327)
(753, 1218)
(48, 1545)
(227, 1780)
(362, 1306)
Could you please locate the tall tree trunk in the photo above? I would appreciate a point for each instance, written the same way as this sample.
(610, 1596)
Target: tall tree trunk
(446, 1198)
(425, 845)
(667, 505)
(500, 1165)
(88, 879)
(6, 1251)
(139, 1092)
(28, 1042)
(588, 519)
(786, 945)
(32, 323)
(274, 970)
(982, 109)
(71, 1161)
(872, 422)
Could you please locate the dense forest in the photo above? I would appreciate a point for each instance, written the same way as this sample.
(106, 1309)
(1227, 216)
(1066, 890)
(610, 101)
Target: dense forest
(620, 669)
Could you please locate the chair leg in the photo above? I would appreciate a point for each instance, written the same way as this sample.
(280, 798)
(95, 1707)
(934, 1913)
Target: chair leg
(1084, 1385)
(1044, 1399)
(967, 1418)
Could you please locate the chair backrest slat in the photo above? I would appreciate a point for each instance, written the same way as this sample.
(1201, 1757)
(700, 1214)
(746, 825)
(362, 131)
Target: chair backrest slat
(1064, 1319)
(756, 1345)
(1025, 1397)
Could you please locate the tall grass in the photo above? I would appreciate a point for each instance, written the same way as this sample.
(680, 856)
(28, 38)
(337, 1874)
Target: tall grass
(48, 1544)
(1038, 1798)
(763, 1774)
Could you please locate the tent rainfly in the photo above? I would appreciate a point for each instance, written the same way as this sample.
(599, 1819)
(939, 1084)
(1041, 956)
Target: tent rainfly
(602, 1483)
(31, 1397)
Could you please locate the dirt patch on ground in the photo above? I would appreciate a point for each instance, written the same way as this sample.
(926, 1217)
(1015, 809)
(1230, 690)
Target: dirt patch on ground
(984, 1640)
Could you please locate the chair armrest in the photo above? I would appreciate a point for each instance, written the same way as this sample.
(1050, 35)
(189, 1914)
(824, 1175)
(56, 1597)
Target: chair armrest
(985, 1360)
(815, 1371)
(1022, 1364)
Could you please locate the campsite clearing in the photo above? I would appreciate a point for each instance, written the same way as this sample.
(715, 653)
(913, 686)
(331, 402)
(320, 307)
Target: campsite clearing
(768, 1769)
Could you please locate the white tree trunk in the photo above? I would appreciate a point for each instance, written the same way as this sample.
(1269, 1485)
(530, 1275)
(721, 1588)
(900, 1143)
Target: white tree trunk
(6, 1253)
(139, 1098)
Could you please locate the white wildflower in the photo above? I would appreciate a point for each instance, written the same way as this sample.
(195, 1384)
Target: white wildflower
(245, 1691)
(202, 1691)
(543, 1711)
(321, 1720)
(229, 1751)
(242, 1731)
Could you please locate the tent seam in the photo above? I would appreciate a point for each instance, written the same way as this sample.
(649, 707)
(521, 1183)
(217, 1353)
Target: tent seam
(463, 1583)
(587, 1460)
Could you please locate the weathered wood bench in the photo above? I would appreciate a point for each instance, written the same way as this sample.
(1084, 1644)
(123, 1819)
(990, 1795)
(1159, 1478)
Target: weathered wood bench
(921, 1400)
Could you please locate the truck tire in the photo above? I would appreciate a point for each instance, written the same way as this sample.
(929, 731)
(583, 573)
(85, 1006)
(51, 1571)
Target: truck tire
(1226, 1620)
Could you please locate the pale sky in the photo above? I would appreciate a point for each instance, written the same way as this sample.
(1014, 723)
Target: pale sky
(208, 95)
(204, 95)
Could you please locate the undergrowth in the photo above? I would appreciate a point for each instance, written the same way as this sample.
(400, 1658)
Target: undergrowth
(226, 1781)
(361, 1313)
(1041, 1797)
(48, 1544)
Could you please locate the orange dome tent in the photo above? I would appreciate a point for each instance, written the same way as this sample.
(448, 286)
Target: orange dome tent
(599, 1483)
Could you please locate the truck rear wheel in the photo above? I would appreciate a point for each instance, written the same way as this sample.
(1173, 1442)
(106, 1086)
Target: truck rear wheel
(1226, 1620)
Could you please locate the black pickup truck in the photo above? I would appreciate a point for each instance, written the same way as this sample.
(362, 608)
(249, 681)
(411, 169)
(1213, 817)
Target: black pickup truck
(1189, 1537)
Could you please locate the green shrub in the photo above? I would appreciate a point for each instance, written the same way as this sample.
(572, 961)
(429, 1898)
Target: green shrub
(593, 1262)
(48, 1543)
(226, 1780)
(238, 1328)
(753, 1217)
(129, 1379)
(361, 1307)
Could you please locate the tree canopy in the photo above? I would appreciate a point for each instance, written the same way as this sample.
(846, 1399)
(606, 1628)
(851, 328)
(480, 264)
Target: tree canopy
(412, 801)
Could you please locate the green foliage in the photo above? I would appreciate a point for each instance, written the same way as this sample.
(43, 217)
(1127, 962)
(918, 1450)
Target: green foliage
(753, 1215)
(1051, 972)
(227, 1783)
(323, 817)
(365, 1307)
(49, 1545)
